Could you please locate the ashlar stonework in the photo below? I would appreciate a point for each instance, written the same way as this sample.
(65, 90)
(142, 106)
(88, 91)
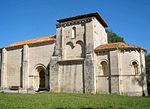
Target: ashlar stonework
(78, 59)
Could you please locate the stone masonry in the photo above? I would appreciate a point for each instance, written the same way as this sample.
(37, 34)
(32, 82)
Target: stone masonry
(78, 59)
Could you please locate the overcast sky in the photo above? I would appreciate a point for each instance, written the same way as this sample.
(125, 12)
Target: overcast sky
(26, 19)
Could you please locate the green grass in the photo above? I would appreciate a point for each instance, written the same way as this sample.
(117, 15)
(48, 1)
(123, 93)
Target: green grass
(71, 101)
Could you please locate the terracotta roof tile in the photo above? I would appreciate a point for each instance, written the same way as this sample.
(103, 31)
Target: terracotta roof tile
(118, 45)
(33, 41)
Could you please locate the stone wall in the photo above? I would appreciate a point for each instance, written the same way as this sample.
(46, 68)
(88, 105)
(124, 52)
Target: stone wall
(102, 81)
(77, 48)
(99, 33)
(89, 34)
(72, 65)
(39, 55)
(70, 76)
(114, 71)
(133, 83)
(14, 67)
(113, 55)
(107, 83)
(19, 66)
(0, 58)
(121, 79)
(0, 65)
(72, 47)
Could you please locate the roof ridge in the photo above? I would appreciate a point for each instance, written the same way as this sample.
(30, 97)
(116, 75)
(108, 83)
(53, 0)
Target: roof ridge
(95, 14)
(37, 38)
(32, 41)
(117, 45)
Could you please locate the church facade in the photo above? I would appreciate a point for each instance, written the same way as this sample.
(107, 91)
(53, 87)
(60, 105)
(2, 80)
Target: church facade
(78, 59)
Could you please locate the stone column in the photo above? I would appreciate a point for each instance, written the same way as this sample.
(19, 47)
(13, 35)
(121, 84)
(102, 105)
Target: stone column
(25, 67)
(4, 69)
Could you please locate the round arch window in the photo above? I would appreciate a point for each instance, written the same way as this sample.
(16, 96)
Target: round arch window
(135, 68)
(104, 68)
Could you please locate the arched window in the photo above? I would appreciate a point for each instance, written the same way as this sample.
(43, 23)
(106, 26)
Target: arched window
(104, 68)
(70, 44)
(80, 48)
(69, 50)
(73, 32)
(134, 68)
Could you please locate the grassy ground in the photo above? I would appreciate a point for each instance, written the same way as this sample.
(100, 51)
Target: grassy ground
(71, 101)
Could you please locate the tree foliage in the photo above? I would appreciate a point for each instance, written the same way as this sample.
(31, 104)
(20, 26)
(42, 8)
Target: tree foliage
(113, 37)
(148, 71)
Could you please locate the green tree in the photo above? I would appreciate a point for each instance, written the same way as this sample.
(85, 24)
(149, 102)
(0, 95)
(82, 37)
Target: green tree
(113, 37)
(148, 71)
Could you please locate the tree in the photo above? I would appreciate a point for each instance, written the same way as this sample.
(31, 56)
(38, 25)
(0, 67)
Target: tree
(148, 71)
(113, 37)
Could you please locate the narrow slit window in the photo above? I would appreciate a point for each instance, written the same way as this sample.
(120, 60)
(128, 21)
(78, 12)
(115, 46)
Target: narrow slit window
(134, 68)
(104, 68)
(73, 32)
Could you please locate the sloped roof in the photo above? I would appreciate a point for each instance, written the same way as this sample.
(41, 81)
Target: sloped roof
(33, 41)
(118, 45)
(95, 14)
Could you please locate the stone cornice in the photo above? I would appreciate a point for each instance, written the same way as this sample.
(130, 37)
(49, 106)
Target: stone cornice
(74, 22)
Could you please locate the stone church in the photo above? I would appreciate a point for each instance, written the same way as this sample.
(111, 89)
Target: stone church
(78, 59)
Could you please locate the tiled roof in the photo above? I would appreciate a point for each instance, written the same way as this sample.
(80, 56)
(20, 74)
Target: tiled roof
(33, 41)
(95, 14)
(118, 45)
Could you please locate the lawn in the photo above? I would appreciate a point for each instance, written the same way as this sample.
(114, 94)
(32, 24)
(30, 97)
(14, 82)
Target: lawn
(71, 101)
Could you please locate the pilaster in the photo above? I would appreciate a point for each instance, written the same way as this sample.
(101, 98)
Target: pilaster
(143, 73)
(25, 69)
(89, 83)
(54, 84)
(4, 69)
(120, 72)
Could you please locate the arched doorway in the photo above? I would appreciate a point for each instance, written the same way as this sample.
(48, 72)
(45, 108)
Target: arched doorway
(42, 82)
(41, 78)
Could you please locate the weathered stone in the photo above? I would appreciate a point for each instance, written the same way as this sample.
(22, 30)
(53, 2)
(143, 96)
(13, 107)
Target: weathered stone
(54, 86)
(89, 74)
(70, 64)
